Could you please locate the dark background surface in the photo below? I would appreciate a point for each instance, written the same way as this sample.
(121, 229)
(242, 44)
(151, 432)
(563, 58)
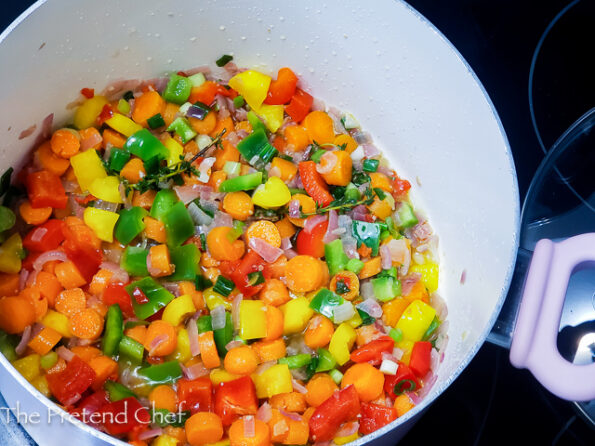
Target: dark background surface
(491, 402)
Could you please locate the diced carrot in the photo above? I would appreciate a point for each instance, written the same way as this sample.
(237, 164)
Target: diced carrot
(286, 169)
(269, 350)
(265, 230)
(366, 334)
(114, 138)
(203, 428)
(138, 333)
(239, 205)
(16, 313)
(285, 227)
(238, 437)
(278, 426)
(48, 285)
(392, 311)
(161, 338)
(274, 323)
(143, 200)
(380, 181)
(226, 124)
(277, 268)
(169, 113)
(39, 302)
(164, 397)
(159, 262)
(318, 332)
(303, 273)
(44, 341)
(133, 170)
(50, 161)
(191, 147)
(216, 178)
(206, 125)
(340, 174)
(319, 126)
(70, 302)
(367, 380)
(221, 248)
(244, 125)
(299, 430)
(86, 352)
(207, 261)
(88, 135)
(105, 368)
(65, 143)
(100, 281)
(241, 360)
(320, 388)
(208, 350)
(34, 216)
(229, 153)
(371, 268)
(69, 276)
(418, 291)
(9, 284)
(86, 324)
(290, 402)
(274, 292)
(346, 141)
(296, 137)
(146, 106)
(155, 229)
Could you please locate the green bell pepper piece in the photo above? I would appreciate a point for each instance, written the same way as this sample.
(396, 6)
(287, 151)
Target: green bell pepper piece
(224, 336)
(165, 373)
(117, 391)
(204, 324)
(243, 182)
(336, 258)
(256, 148)
(396, 334)
(48, 360)
(324, 301)
(386, 288)
(365, 317)
(178, 224)
(130, 224)
(114, 330)
(182, 128)
(255, 122)
(326, 361)
(163, 202)
(370, 165)
(157, 296)
(178, 89)
(354, 265)
(134, 261)
(296, 361)
(431, 329)
(145, 145)
(118, 159)
(186, 259)
(156, 121)
(8, 344)
(406, 216)
(131, 349)
(351, 193)
(367, 233)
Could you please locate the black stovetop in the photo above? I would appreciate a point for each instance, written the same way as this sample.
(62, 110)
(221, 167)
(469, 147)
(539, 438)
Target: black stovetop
(491, 402)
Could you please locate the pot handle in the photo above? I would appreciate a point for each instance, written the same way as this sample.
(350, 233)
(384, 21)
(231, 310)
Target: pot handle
(534, 340)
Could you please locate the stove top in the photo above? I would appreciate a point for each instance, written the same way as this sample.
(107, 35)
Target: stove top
(529, 56)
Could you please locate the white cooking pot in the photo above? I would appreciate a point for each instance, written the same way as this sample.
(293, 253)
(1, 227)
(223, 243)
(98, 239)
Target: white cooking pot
(381, 60)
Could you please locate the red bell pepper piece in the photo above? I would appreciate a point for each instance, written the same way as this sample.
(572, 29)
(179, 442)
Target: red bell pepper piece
(400, 188)
(68, 385)
(88, 92)
(310, 243)
(282, 89)
(106, 113)
(45, 190)
(405, 378)
(207, 91)
(372, 351)
(90, 405)
(45, 237)
(314, 183)
(340, 407)
(195, 395)
(81, 250)
(421, 358)
(123, 416)
(374, 416)
(115, 293)
(251, 262)
(234, 399)
(300, 105)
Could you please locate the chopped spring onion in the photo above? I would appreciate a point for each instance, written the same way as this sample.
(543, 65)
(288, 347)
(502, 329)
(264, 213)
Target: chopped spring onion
(238, 101)
(223, 286)
(349, 121)
(236, 232)
(201, 282)
(406, 385)
(232, 169)
(218, 317)
(197, 79)
(336, 375)
(396, 334)
(128, 95)
(156, 121)
(199, 216)
(123, 106)
(182, 128)
(223, 60)
(255, 278)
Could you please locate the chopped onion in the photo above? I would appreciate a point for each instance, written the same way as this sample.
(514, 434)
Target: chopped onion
(187, 193)
(23, 276)
(330, 161)
(439, 305)
(291, 415)
(408, 282)
(199, 217)
(389, 367)
(221, 219)
(360, 212)
(298, 387)
(125, 197)
(290, 253)
(371, 307)
(232, 169)
(429, 380)
(286, 243)
(333, 225)
(399, 251)
(119, 275)
(25, 338)
(268, 252)
(91, 141)
(370, 150)
(49, 256)
(362, 137)
(218, 317)
(235, 311)
(31, 277)
(156, 342)
(434, 360)
(64, 353)
(398, 353)
(294, 209)
(233, 344)
(197, 370)
(264, 413)
(366, 290)
(264, 367)
(249, 426)
(150, 433)
(313, 221)
(204, 167)
(192, 330)
(343, 312)
(387, 261)
(38, 234)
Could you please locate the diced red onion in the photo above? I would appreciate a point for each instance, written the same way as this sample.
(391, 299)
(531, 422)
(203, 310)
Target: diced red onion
(241, 134)
(218, 317)
(192, 330)
(28, 131)
(31, 277)
(399, 251)
(294, 209)
(23, 276)
(204, 167)
(350, 246)
(91, 141)
(330, 161)
(343, 312)
(235, 311)
(69, 186)
(25, 338)
(187, 193)
(371, 307)
(408, 282)
(389, 357)
(434, 360)
(348, 429)
(298, 387)
(318, 105)
(38, 234)
(290, 253)
(268, 252)
(199, 217)
(366, 289)
(335, 115)
(398, 353)
(233, 344)
(359, 212)
(370, 150)
(49, 256)
(64, 353)
(362, 137)
(313, 221)
(428, 383)
(221, 219)
(156, 342)
(118, 274)
(197, 370)
(387, 261)
(264, 367)
(291, 415)
(249, 426)
(333, 225)
(286, 243)
(439, 305)
(150, 433)
(264, 413)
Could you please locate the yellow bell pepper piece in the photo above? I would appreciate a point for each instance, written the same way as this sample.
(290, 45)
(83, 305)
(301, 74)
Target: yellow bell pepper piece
(41, 384)
(102, 222)
(177, 310)
(273, 381)
(355, 320)
(10, 255)
(341, 343)
(214, 299)
(58, 322)
(106, 189)
(86, 114)
(29, 366)
(253, 319)
(344, 440)
(165, 440)
(296, 314)
(123, 124)
(252, 85)
(219, 376)
(272, 115)
(429, 275)
(415, 320)
(175, 150)
(182, 352)
(272, 194)
(406, 346)
(87, 167)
